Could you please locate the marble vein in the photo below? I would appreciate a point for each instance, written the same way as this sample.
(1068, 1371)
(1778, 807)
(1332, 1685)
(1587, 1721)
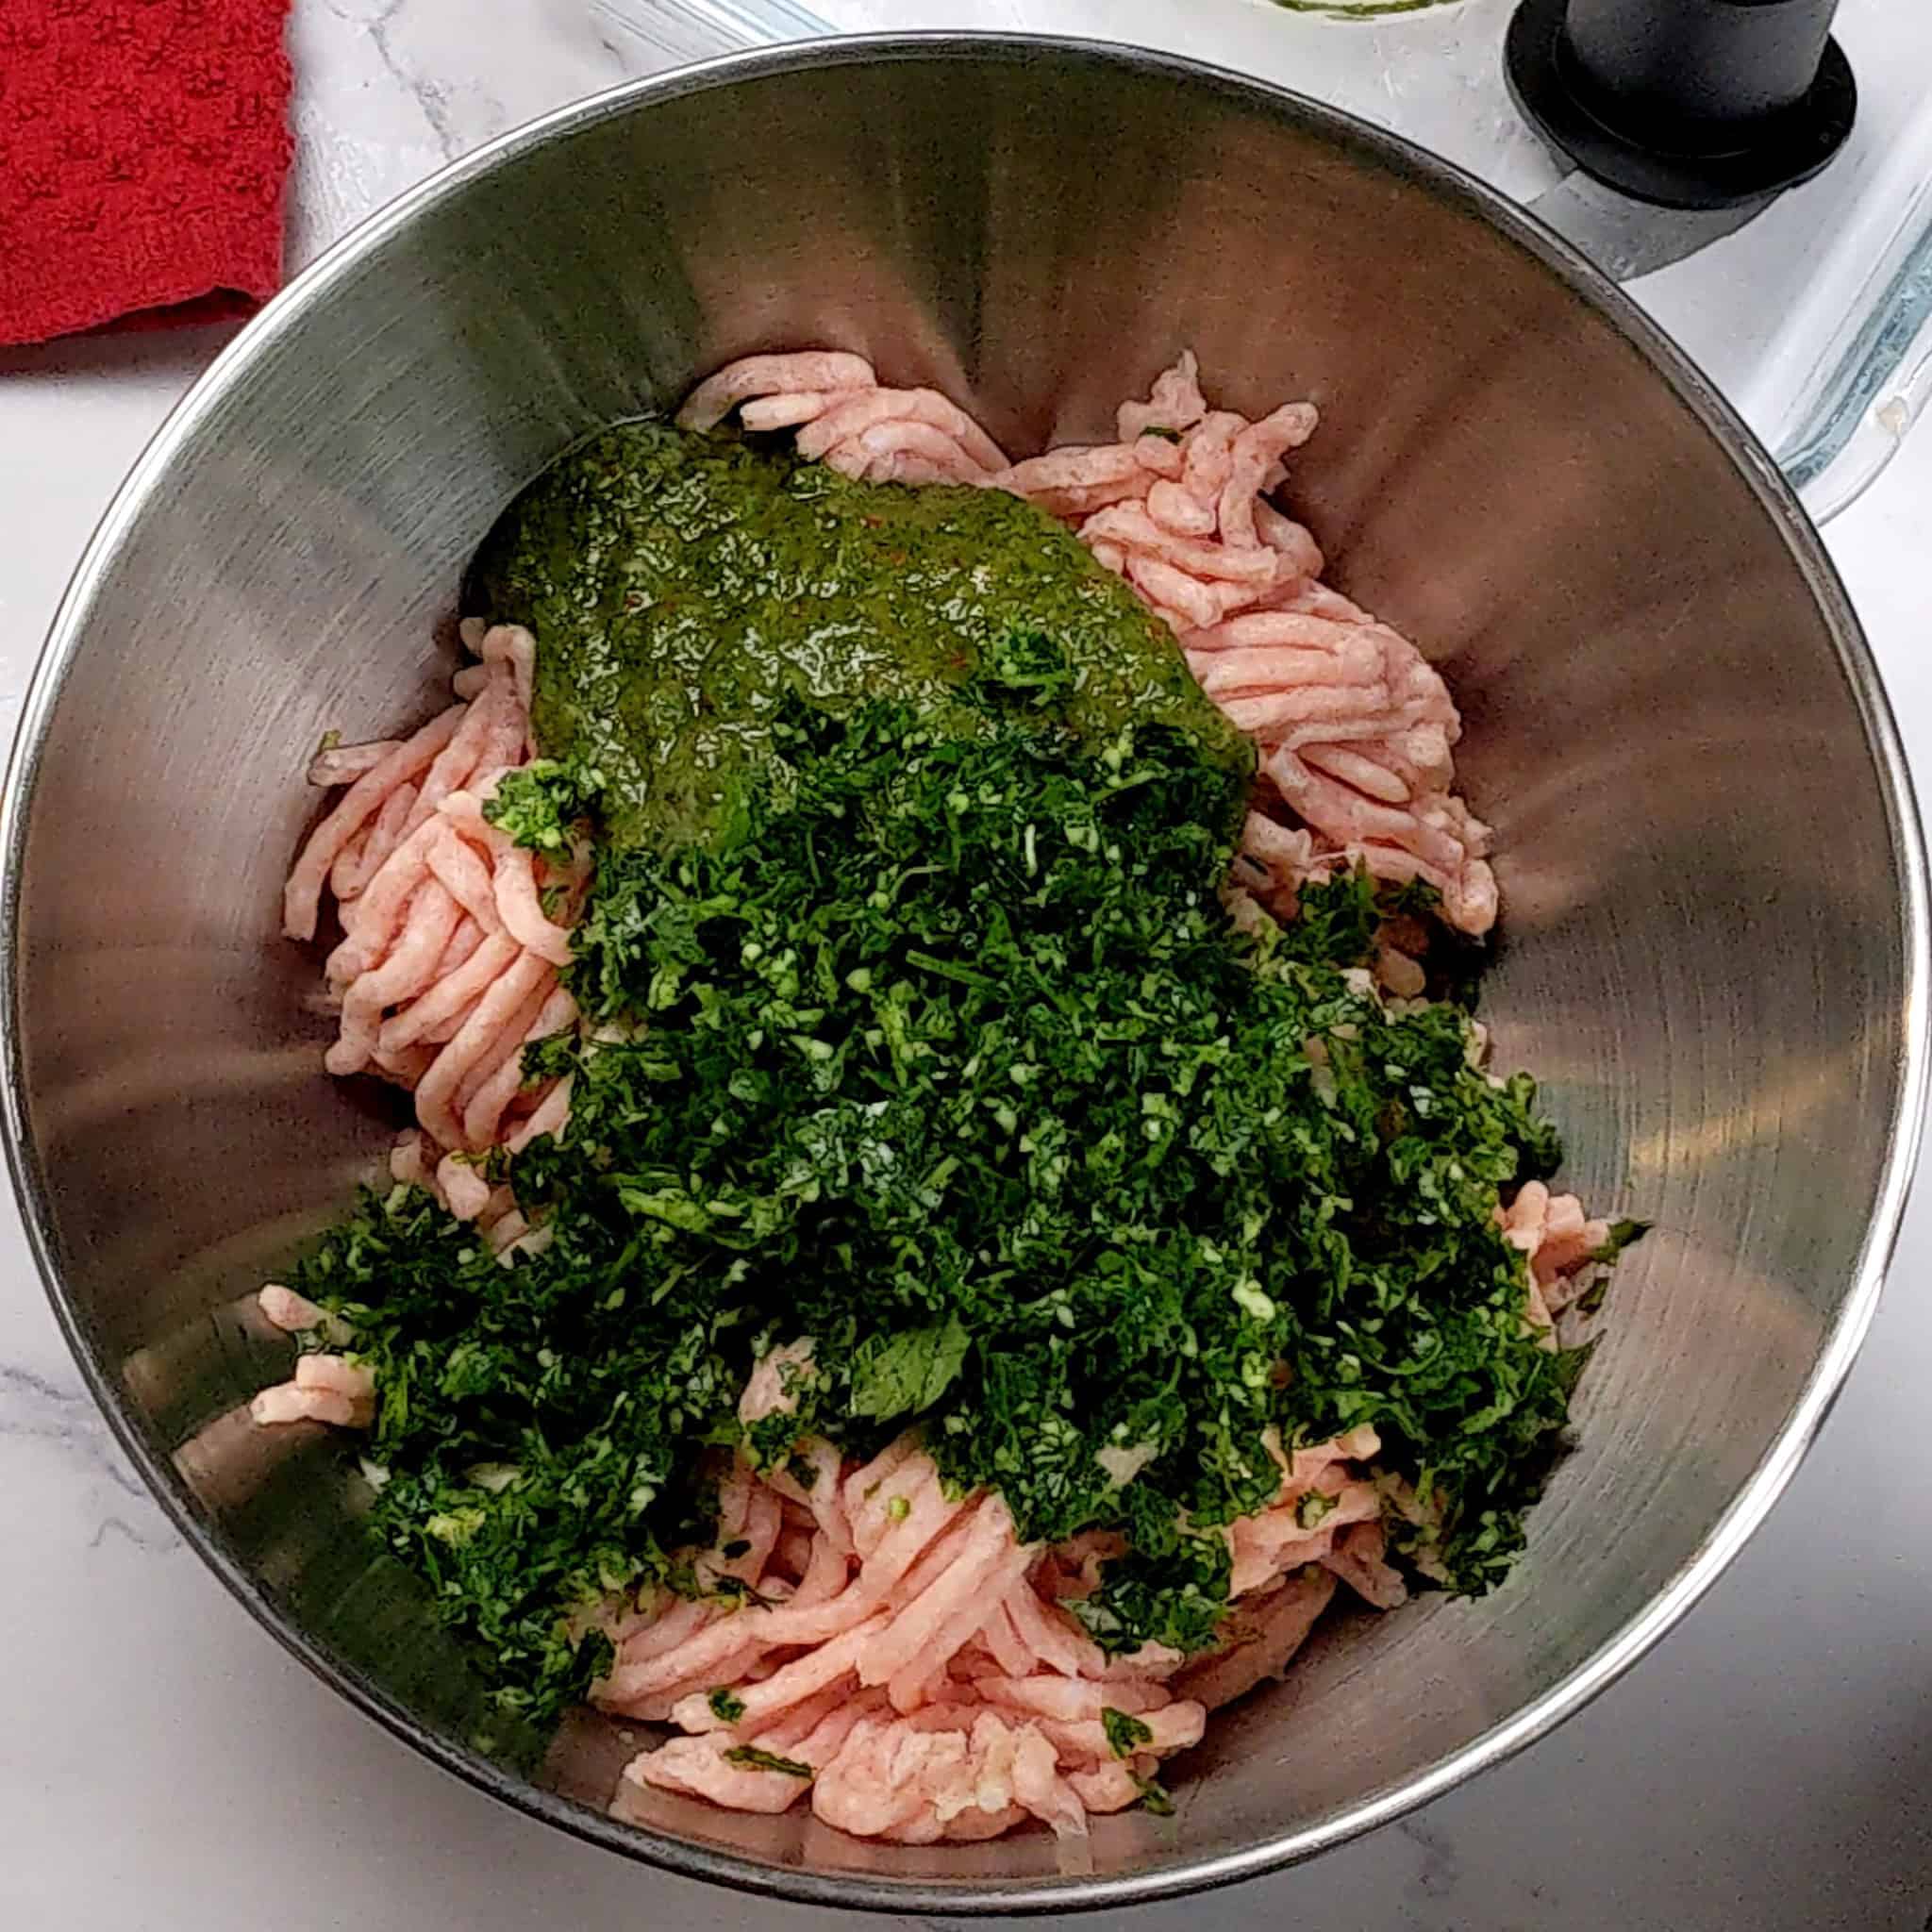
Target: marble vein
(34, 1407)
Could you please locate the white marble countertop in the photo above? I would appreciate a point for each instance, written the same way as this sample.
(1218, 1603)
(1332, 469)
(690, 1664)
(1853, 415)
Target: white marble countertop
(163, 1764)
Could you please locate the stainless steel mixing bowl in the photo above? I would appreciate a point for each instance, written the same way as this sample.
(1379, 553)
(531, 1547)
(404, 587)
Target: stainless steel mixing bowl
(1716, 947)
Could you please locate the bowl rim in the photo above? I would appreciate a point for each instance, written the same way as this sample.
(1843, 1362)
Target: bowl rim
(875, 1892)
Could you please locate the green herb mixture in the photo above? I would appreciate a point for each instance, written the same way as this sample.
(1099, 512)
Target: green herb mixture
(939, 1047)
(685, 589)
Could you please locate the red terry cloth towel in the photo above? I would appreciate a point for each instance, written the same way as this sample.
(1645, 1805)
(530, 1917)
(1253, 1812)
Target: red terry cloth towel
(143, 144)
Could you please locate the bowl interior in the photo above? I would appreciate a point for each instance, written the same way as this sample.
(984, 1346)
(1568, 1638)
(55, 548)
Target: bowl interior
(1666, 706)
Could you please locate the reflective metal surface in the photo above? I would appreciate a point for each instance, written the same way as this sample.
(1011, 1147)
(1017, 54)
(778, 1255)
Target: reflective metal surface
(1712, 877)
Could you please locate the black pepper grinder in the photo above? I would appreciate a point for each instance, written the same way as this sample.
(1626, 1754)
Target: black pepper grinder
(1697, 104)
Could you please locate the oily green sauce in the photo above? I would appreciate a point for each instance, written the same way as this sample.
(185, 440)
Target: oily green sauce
(681, 587)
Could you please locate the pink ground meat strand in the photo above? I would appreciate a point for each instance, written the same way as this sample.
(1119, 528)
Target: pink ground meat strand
(1354, 727)
(896, 1642)
(448, 960)
(1559, 1242)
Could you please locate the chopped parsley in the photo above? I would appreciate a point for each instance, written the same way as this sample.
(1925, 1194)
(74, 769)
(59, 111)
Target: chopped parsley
(905, 1374)
(726, 1708)
(539, 804)
(1154, 1799)
(1312, 1507)
(752, 1758)
(1125, 1735)
(1624, 1234)
(943, 1053)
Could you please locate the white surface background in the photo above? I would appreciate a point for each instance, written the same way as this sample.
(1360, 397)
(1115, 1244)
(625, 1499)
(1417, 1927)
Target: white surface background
(163, 1765)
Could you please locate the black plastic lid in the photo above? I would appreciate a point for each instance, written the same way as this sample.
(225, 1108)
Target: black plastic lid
(1686, 103)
